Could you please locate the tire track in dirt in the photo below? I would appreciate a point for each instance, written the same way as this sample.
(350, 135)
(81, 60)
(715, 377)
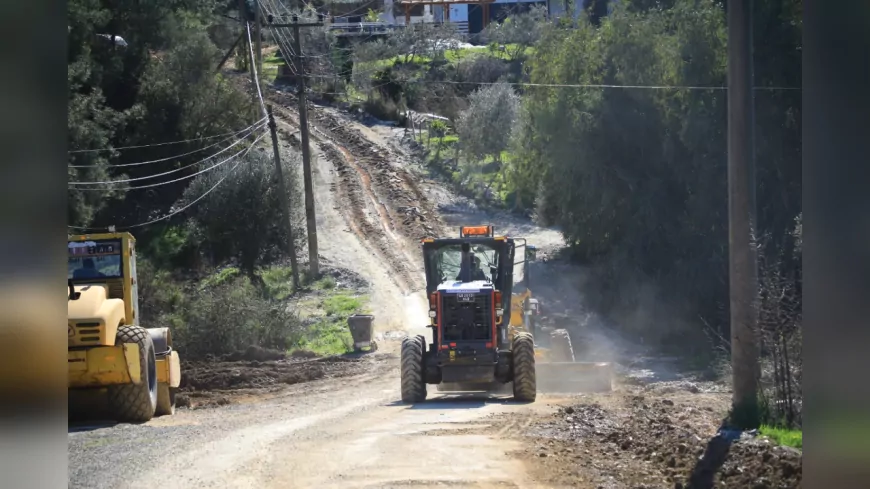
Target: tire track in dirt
(350, 193)
(367, 181)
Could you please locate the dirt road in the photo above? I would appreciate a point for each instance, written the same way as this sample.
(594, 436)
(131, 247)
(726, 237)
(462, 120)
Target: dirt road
(348, 431)
(348, 428)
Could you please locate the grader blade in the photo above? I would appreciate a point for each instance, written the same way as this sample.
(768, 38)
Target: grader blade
(574, 377)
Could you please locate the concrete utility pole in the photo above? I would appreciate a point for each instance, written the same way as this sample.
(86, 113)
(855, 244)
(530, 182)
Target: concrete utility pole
(285, 200)
(313, 260)
(741, 216)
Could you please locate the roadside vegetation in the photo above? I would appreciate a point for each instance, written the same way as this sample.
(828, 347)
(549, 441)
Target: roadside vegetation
(783, 436)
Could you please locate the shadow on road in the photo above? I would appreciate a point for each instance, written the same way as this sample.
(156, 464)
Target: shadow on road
(711, 462)
(458, 401)
(79, 426)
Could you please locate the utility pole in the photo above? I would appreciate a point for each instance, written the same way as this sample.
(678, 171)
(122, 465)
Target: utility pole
(285, 200)
(259, 40)
(313, 261)
(741, 217)
(243, 17)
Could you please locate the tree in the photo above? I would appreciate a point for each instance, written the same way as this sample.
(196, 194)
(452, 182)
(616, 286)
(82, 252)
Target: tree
(160, 87)
(237, 219)
(636, 178)
(518, 32)
(485, 128)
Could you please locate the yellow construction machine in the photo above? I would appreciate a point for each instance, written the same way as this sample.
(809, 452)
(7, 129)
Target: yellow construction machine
(110, 356)
(557, 367)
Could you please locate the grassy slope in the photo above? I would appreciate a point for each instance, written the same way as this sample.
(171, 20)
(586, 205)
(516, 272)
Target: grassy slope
(783, 436)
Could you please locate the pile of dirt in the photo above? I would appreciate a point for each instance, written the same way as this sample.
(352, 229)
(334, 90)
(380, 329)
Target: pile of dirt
(638, 441)
(208, 383)
(255, 354)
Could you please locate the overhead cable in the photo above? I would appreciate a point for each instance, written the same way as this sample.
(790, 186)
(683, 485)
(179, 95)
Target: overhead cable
(166, 143)
(177, 179)
(177, 211)
(248, 129)
(147, 177)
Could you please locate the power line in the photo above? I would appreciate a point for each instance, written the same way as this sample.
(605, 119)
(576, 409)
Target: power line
(112, 182)
(285, 45)
(187, 177)
(178, 211)
(249, 129)
(166, 143)
(254, 69)
(592, 85)
(562, 85)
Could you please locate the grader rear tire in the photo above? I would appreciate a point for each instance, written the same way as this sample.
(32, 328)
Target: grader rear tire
(413, 383)
(524, 380)
(136, 403)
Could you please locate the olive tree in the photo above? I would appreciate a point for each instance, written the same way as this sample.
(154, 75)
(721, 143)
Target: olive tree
(517, 32)
(485, 128)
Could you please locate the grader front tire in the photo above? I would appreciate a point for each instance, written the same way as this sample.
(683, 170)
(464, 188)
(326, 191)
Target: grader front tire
(413, 382)
(524, 380)
(136, 403)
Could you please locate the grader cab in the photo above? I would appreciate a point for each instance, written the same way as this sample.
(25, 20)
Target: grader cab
(110, 355)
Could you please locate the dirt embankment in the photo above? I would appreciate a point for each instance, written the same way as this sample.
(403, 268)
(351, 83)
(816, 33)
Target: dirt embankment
(653, 438)
(257, 372)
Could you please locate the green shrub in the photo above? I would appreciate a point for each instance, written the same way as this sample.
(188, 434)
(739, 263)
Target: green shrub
(326, 283)
(382, 108)
(783, 436)
(342, 305)
(233, 316)
(220, 277)
(278, 281)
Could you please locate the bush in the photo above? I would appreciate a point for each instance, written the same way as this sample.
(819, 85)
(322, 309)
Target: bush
(220, 314)
(382, 108)
(482, 68)
(232, 317)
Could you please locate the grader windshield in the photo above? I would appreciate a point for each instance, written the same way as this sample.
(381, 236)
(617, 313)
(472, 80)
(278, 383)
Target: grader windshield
(447, 262)
(482, 258)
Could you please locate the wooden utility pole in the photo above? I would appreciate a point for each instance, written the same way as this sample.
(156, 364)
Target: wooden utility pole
(259, 39)
(313, 261)
(285, 200)
(741, 217)
(243, 17)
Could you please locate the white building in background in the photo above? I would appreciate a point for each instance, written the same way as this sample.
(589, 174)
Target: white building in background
(468, 18)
